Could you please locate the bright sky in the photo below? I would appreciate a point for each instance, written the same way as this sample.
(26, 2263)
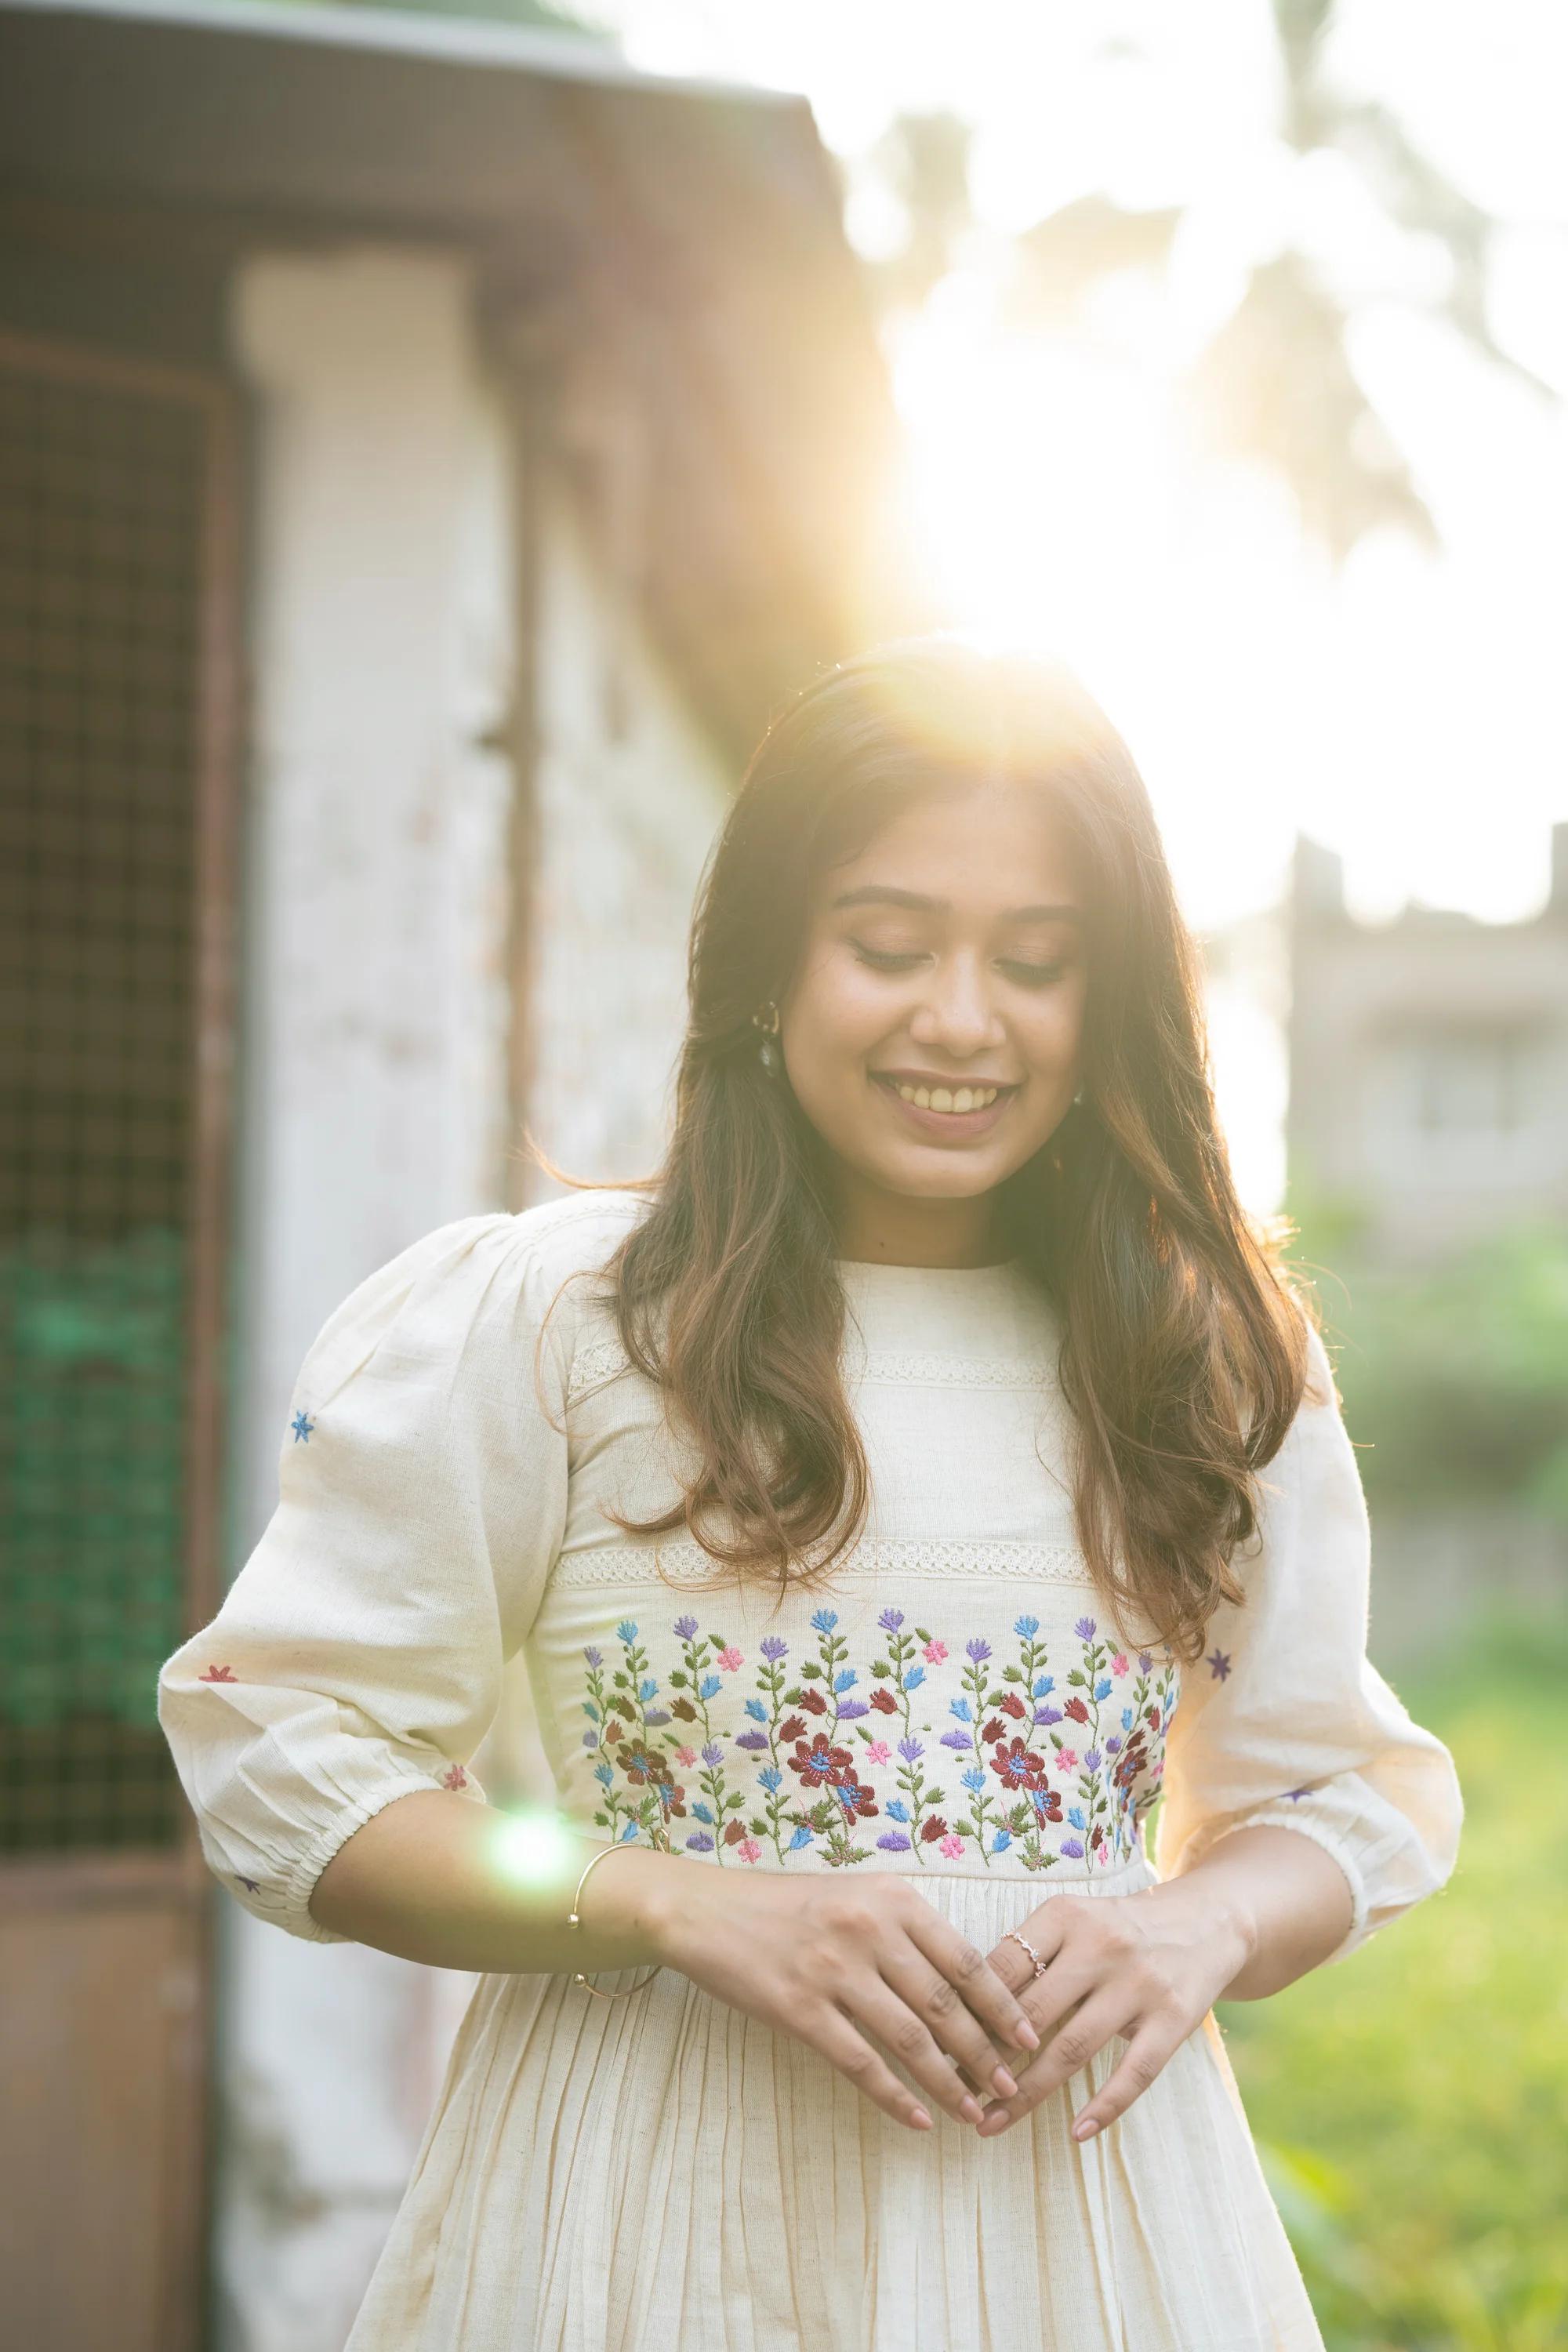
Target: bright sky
(1409, 712)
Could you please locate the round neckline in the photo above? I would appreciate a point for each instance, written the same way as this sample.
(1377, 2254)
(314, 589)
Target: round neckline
(872, 1265)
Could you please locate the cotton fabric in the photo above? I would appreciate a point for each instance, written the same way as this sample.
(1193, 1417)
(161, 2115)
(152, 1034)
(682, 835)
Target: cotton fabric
(662, 2173)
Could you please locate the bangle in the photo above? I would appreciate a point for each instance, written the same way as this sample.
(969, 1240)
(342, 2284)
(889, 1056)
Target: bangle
(573, 1921)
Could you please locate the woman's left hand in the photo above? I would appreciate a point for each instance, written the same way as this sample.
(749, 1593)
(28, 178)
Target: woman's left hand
(1148, 1966)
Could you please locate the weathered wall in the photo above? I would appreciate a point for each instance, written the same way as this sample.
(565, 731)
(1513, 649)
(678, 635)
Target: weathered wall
(374, 1058)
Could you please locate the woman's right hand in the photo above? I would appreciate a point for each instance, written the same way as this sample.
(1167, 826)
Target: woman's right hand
(834, 1960)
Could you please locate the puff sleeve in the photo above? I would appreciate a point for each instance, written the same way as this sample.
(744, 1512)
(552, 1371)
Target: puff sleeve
(1285, 1722)
(422, 1497)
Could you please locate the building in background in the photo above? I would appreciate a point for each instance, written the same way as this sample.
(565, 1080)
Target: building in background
(427, 452)
(1428, 1066)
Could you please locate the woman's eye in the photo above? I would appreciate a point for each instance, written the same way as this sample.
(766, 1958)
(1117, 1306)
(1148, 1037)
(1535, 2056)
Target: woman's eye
(1028, 975)
(1036, 975)
(883, 958)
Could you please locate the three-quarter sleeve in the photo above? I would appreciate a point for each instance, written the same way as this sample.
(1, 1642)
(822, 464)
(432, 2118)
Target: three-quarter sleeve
(1285, 1722)
(422, 1496)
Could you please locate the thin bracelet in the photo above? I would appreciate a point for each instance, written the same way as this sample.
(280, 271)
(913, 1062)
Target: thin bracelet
(573, 1921)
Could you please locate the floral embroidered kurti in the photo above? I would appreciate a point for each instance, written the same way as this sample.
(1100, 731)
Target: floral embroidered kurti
(956, 1703)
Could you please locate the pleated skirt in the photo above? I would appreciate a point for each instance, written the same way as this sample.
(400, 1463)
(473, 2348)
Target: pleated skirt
(666, 2174)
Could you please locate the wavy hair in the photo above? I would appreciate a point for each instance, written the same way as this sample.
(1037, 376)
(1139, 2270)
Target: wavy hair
(1183, 1354)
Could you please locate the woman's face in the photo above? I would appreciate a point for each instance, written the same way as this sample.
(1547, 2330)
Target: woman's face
(932, 1028)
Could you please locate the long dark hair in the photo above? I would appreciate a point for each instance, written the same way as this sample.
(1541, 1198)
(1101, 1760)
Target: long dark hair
(1184, 1355)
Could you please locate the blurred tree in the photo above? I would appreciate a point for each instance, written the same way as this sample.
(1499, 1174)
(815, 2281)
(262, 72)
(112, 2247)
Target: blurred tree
(1454, 1375)
(1277, 382)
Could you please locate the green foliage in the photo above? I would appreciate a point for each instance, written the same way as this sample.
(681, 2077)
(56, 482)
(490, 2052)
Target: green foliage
(1411, 2104)
(1454, 1377)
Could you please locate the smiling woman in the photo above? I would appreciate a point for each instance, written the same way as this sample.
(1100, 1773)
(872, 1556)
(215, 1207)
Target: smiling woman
(875, 1495)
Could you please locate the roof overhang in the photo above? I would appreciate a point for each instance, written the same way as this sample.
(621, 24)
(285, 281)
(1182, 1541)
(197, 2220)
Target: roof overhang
(696, 224)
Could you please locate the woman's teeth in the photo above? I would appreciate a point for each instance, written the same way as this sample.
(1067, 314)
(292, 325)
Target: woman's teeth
(958, 1098)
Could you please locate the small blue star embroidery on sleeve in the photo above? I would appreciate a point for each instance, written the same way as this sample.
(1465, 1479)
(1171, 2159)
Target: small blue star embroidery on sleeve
(302, 1426)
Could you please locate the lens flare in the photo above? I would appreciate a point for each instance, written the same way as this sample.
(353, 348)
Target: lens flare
(533, 1847)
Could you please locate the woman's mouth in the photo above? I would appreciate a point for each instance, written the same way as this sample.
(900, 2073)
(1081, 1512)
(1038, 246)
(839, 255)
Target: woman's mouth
(943, 1110)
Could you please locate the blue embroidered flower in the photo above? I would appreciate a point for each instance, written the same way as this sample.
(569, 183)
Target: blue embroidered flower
(709, 1687)
(897, 1810)
(756, 1710)
(1027, 1626)
(629, 1832)
(625, 1631)
(914, 1678)
(801, 1837)
(770, 1778)
(825, 1620)
(1042, 1686)
(1075, 1816)
(1102, 1689)
(648, 1690)
(847, 1680)
(1127, 1718)
(973, 1779)
(704, 1814)
(301, 1426)
(603, 1774)
(1001, 1841)
(960, 1708)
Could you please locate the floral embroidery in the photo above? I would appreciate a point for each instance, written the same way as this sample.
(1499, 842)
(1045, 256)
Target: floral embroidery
(218, 1674)
(455, 1779)
(817, 1757)
(253, 1885)
(1218, 1662)
(301, 1426)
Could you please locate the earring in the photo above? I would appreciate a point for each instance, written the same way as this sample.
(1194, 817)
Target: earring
(767, 1020)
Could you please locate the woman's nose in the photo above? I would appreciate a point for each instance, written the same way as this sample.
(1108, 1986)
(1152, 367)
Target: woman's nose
(957, 1011)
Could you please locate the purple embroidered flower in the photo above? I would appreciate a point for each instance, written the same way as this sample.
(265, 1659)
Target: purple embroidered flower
(848, 1708)
(979, 1651)
(774, 1648)
(701, 1843)
(1071, 1847)
(594, 1657)
(912, 1751)
(1084, 1629)
(756, 1741)
(1145, 1661)
(1294, 1794)
(1091, 1759)
(590, 1739)
(1218, 1664)
(685, 1627)
(893, 1841)
(958, 1740)
(713, 1753)
(1047, 1715)
(1113, 1746)
(891, 1620)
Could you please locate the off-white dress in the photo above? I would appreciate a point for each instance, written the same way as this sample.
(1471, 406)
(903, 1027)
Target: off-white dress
(663, 2173)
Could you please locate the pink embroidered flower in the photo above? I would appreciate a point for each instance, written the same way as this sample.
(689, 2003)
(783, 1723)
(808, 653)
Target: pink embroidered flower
(879, 1752)
(1119, 1663)
(686, 1754)
(749, 1849)
(1068, 1759)
(456, 1778)
(730, 1659)
(934, 1652)
(218, 1674)
(952, 1847)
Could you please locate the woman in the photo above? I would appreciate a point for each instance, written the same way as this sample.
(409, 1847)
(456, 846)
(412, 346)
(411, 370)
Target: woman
(892, 1499)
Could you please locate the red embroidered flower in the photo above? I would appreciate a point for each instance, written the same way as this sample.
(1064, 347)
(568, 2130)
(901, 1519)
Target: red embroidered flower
(994, 1729)
(456, 1778)
(820, 1765)
(793, 1727)
(884, 1701)
(813, 1702)
(855, 1800)
(218, 1674)
(1077, 1709)
(734, 1833)
(934, 1829)
(1014, 1705)
(1019, 1766)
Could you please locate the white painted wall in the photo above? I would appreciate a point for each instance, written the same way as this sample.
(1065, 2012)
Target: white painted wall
(372, 1090)
(373, 1054)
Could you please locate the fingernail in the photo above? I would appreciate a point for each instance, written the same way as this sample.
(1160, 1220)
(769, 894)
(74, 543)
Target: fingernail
(970, 2109)
(1002, 2082)
(919, 2118)
(1084, 2129)
(994, 2125)
(1027, 2036)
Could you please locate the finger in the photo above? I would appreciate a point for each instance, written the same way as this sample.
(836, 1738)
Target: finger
(1147, 2054)
(955, 2032)
(984, 1992)
(877, 2009)
(845, 2046)
(1068, 2051)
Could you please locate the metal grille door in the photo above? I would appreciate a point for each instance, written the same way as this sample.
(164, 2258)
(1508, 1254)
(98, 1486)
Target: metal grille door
(116, 801)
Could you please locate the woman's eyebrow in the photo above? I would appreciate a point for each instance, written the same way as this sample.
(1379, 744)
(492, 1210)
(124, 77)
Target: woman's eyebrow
(883, 894)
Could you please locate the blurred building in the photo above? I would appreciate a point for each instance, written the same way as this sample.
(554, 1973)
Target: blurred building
(1428, 1058)
(427, 452)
